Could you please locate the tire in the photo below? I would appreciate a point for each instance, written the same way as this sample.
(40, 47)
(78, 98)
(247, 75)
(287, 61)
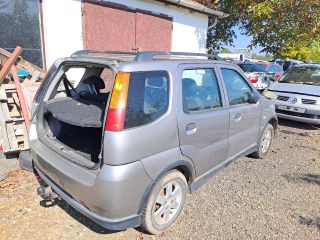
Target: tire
(25, 161)
(264, 142)
(163, 207)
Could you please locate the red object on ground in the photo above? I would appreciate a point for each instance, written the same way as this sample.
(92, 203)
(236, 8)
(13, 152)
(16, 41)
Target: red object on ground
(21, 97)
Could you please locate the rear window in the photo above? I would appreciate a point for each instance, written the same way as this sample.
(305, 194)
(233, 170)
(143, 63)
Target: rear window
(250, 67)
(148, 97)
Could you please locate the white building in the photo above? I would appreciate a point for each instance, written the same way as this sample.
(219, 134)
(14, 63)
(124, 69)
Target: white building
(126, 25)
(51, 29)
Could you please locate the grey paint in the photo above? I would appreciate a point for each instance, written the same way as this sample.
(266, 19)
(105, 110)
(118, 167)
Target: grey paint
(133, 159)
(105, 194)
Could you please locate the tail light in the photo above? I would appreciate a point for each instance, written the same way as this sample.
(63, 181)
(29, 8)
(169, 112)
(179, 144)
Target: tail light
(253, 79)
(278, 75)
(118, 103)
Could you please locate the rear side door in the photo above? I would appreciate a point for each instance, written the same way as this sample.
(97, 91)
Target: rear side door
(203, 120)
(244, 116)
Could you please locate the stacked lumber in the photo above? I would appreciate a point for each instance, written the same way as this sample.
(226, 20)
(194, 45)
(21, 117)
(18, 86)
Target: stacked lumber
(16, 97)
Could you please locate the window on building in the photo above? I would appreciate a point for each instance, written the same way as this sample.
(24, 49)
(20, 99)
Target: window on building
(20, 25)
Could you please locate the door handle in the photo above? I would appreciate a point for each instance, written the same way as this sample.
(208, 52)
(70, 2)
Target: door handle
(237, 117)
(191, 128)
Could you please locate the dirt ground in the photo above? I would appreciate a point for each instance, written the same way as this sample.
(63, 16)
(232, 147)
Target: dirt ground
(277, 197)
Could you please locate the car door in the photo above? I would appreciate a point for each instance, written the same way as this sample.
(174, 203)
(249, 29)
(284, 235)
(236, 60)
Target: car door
(203, 120)
(244, 116)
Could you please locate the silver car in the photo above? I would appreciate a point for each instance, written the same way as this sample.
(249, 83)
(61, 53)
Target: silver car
(297, 94)
(124, 140)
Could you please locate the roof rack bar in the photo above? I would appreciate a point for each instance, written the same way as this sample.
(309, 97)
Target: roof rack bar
(86, 52)
(149, 55)
(146, 55)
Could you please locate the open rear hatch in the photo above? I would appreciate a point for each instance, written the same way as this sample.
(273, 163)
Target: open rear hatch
(70, 119)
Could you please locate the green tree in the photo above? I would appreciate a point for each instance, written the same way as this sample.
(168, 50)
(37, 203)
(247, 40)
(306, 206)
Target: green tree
(273, 24)
(304, 52)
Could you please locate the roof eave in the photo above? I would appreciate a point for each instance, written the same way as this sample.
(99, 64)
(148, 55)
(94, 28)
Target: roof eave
(194, 6)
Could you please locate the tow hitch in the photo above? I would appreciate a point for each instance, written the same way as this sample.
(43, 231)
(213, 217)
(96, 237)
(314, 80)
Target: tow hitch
(46, 193)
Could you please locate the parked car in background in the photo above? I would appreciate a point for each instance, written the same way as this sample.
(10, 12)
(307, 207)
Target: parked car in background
(278, 61)
(290, 63)
(261, 74)
(297, 94)
(127, 155)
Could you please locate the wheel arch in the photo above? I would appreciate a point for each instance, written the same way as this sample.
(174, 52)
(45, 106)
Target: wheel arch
(183, 166)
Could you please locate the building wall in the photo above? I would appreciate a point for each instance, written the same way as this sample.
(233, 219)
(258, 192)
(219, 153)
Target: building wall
(62, 22)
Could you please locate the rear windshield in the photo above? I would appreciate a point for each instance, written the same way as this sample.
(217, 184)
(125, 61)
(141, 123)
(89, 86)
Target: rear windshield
(249, 67)
(302, 75)
(148, 97)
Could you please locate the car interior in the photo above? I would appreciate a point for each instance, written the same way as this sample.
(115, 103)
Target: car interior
(86, 91)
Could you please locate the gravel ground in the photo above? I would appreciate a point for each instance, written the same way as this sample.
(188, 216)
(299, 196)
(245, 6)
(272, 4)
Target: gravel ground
(272, 198)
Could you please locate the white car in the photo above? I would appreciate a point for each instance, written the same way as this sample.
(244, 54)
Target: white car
(297, 94)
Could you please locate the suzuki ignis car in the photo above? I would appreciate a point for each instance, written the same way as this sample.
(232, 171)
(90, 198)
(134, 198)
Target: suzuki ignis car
(124, 137)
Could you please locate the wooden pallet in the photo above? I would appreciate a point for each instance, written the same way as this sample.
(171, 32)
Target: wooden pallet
(12, 126)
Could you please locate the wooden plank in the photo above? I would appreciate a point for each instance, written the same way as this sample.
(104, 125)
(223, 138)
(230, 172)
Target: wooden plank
(22, 100)
(16, 99)
(5, 140)
(12, 137)
(3, 95)
(9, 86)
(8, 65)
(15, 120)
(5, 111)
(26, 137)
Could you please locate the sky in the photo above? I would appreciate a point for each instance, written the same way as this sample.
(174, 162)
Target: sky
(242, 41)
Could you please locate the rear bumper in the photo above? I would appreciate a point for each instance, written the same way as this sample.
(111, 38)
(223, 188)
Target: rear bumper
(112, 224)
(112, 196)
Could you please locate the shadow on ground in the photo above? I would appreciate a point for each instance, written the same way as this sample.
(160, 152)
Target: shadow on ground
(304, 178)
(90, 224)
(310, 222)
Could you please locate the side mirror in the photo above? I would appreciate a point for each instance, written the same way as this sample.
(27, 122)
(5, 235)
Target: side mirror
(254, 97)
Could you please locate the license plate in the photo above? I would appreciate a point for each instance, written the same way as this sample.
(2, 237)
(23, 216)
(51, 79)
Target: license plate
(292, 109)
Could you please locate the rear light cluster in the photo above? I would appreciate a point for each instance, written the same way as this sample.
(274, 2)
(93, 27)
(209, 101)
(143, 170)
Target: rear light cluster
(118, 103)
(253, 79)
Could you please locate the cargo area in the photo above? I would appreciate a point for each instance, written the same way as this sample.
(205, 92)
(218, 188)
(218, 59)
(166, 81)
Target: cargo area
(73, 112)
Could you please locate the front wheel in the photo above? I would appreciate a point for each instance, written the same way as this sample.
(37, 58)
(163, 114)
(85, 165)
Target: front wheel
(265, 141)
(165, 202)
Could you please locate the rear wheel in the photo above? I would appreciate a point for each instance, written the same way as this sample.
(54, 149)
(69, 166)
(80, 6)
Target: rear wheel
(165, 202)
(265, 141)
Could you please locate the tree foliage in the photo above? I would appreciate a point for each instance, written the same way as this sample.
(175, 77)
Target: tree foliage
(275, 25)
(304, 52)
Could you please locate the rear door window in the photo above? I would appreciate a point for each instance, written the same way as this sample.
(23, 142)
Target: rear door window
(200, 90)
(148, 97)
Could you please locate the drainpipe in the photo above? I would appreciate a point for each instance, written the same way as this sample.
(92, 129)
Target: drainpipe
(213, 24)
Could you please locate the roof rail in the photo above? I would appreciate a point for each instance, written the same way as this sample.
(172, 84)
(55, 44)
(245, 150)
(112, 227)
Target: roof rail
(86, 52)
(147, 55)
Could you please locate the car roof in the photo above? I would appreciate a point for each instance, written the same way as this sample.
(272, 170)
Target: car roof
(166, 64)
(317, 65)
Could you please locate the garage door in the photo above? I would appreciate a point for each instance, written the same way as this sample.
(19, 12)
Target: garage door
(116, 28)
